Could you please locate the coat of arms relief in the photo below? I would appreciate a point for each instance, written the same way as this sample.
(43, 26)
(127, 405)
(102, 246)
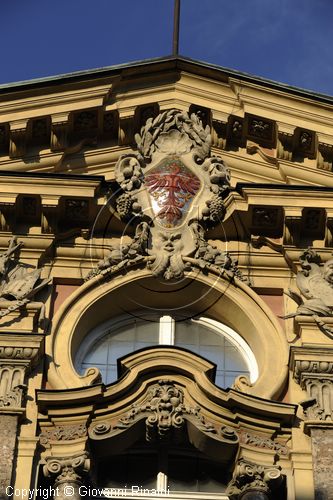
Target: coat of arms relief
(172, 190)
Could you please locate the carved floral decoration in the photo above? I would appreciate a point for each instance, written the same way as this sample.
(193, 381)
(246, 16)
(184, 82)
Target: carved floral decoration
(62, 433)
(259, 441)
(172, 191)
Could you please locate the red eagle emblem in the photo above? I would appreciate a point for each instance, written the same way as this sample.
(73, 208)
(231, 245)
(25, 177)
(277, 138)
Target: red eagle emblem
(173, 186)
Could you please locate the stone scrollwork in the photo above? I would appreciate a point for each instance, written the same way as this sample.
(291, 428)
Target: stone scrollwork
(315, 283)
(68, 474)
(256, 441)
(253, 481)
(172, 189)
(62, 433)
(101, 428)
(165, 413)
(18, 282)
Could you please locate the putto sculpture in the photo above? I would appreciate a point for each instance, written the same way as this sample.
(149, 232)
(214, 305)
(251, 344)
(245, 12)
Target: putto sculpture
(173, 188)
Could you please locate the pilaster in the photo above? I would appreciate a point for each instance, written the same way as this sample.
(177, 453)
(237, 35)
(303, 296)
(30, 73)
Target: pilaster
(20, 351)
(312, 369)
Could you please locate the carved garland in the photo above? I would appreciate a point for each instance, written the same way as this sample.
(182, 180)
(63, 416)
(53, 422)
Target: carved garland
(63, 433)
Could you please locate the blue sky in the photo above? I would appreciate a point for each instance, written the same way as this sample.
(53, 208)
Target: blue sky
(290, 41)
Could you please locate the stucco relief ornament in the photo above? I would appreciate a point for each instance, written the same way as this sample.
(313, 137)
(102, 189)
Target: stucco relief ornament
(18, 282)
(256, 480)
(315, 283)
(174, 185)
(165, 414)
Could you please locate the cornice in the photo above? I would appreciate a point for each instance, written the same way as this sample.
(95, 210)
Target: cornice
(33, 107)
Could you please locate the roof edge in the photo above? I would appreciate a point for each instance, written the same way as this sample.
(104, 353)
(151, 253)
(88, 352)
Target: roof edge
(178, 63)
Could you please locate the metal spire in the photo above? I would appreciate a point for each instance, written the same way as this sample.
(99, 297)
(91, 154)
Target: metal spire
(176, 17)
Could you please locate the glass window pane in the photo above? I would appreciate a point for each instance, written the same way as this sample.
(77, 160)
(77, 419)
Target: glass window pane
(192, 335)
(234, 360)
(213, 346)
(186, 334)
(147, 332)
(230, 378)
(128, 470)
(97, 355)
(118, 349)
(213, 353)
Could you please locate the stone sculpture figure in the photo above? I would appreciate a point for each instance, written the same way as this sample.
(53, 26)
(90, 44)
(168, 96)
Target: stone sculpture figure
(18, 282)
(315, 283)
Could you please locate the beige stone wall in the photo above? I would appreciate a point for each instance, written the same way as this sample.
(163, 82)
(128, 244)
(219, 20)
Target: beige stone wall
(276, 141)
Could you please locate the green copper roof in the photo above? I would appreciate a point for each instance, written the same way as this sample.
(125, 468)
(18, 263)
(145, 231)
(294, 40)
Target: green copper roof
(108, 70)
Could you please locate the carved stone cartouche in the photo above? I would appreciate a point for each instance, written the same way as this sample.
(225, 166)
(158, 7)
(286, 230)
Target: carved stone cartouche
(176, 188)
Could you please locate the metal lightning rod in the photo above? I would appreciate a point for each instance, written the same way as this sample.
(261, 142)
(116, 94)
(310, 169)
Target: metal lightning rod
(176, 18)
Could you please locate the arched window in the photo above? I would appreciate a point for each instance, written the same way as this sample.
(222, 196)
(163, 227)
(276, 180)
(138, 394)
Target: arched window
(204, 336)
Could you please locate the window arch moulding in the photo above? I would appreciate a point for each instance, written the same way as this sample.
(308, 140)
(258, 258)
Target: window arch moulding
(234, 304)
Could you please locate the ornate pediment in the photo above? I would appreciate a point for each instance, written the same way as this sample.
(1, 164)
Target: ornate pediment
(172, 191)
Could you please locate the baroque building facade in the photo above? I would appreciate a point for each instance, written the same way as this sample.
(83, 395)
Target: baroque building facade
(166, 293)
